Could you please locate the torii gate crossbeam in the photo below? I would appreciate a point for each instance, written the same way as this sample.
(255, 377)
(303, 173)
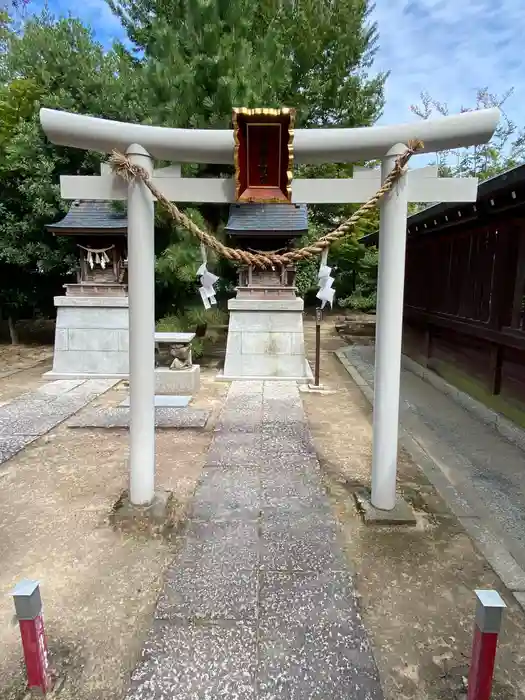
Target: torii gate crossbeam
(143, 143)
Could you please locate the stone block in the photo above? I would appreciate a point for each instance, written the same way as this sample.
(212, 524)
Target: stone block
(212, 661)
(91, 363)
(177, 382)
(233, 343)
(96, 318)
(228, 544)
(268, 305)
(495, 552)
(289, 321)
(282, 438)
(511, 431)
(265, 340)
(333, 661)
(241, 450)
(246, 390)
(288, 599)
(260, 321)
(58, 388)
(520, 597)
(123, 340)
(208, 594)
(61, 339)
(266, 343)
(401, 514)
(296, 344)
(284, 392)
(165, 417)
(259, 365)
(121, 302)
(228, 493)
(291, 366)
(156, 519)
(299, 541)
(249, 321)
(93, 340)
(91, 337)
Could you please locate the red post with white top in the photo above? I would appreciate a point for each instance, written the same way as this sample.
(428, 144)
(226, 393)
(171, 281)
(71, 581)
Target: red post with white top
(28, 606)
(489, 612)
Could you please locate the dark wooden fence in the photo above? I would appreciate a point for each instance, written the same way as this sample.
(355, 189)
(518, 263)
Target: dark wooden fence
(464, 299)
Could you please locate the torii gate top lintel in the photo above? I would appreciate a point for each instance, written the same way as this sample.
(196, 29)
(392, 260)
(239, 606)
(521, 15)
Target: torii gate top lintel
(313, 146)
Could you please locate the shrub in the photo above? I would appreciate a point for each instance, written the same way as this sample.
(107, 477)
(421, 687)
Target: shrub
(357, 302)
(190, 320)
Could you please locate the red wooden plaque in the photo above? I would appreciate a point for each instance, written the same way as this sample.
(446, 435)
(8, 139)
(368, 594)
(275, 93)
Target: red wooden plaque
(263, 154)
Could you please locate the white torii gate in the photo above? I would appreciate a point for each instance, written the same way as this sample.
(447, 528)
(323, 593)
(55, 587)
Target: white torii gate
(144, 143)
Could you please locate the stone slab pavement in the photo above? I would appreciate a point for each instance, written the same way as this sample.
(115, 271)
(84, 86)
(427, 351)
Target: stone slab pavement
(259, 603)
(119, 417)
(480, 474)
(35, 413)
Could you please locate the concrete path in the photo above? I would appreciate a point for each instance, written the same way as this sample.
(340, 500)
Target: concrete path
(481, 474)
(33, 414)
(259, 603)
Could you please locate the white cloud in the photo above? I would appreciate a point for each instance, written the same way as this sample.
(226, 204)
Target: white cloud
(95, 13)
(450, 48)
(446, 47)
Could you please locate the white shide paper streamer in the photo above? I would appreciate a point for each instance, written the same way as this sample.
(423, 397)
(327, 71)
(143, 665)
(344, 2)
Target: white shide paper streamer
(207, 280)
(325, 281)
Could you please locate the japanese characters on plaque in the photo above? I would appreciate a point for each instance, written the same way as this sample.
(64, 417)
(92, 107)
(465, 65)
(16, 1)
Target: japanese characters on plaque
(263, 154)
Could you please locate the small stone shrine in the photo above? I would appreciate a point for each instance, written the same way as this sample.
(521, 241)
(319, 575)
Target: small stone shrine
(265, 334)
(91, 337)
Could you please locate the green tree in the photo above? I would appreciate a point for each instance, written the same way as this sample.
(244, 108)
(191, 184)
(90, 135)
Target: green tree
(505, 150)
(52, 64)
(193, 60)
(201, 58)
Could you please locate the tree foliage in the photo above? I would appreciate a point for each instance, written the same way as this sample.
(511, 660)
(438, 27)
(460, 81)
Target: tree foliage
(53, 64)
(192, 61)
(201, 58)
(505, 150)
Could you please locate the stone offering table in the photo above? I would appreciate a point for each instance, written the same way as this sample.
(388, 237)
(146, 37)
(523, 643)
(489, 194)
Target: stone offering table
(180, 376)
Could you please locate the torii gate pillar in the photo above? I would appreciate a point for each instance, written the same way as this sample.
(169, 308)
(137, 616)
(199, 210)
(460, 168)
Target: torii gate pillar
(389, 331)
(141, 292)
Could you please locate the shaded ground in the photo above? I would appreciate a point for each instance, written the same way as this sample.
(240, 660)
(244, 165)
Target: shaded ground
(99, 587)
(485, 468)
(416, 585)
(18, 381)
(15, 357)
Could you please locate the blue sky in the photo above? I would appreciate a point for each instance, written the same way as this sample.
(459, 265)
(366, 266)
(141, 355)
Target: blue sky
(447, 47)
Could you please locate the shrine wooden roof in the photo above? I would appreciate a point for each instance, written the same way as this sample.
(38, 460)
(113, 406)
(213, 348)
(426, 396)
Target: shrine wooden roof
(91, 217)
(499, 195)
(267, 219)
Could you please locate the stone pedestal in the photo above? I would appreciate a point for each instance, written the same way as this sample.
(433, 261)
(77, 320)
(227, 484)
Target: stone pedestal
(265, 340)
(91, 337)
(180, 382)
